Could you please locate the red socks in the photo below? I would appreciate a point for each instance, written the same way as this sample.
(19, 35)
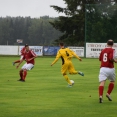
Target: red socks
(110, 88)
(21, 74)
(24, 74)
(101, 89)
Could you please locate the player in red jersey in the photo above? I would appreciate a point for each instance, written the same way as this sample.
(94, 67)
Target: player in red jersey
(107, 70)
(29, 57)
(22, 53)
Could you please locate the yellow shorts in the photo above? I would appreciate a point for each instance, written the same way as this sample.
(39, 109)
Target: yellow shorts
(68, 67)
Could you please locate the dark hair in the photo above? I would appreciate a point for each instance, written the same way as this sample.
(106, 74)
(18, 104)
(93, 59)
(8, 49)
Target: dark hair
(61, 44)
(110, 42)
(26, 45)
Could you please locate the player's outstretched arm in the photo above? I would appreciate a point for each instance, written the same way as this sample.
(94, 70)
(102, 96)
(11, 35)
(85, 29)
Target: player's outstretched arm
(115, 61)
(19, 63)
(74, 54)
(32, 58)
(80, 59)
(56, 59)
(77, 57)
(51, 64)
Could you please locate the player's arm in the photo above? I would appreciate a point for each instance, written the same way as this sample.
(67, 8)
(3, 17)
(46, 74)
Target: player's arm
(100, 57)
(33, 56)
(112, 57)
(115, 61)
(74, 54)
(22, 51)
(19, 63)
(56, 59)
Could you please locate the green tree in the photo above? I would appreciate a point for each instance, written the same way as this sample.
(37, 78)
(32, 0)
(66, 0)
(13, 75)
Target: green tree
(5, 31)
(73, 24)
(41, 32)
(34, 31)
(101, 23)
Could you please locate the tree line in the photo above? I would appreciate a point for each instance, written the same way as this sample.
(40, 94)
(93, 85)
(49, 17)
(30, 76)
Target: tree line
(84, 21)
(34, 31)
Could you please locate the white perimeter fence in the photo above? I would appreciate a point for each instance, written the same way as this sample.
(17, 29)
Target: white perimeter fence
(92, 50)
(15, 50)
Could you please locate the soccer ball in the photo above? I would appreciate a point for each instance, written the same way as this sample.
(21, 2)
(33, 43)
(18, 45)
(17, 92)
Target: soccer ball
(72, 82)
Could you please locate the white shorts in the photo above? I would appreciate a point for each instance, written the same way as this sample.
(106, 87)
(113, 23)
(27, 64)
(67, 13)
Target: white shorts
(107, 73)
(21, 57)
(28, 66)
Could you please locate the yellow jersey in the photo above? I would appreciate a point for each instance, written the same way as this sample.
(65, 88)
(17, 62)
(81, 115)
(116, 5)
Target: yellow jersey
(66, 54)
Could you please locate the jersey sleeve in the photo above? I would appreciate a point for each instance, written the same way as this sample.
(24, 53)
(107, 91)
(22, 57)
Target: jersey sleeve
(57, 57)
(100, 56)
(112, 55)
(23, 51)
(74, 54)
(33, 54)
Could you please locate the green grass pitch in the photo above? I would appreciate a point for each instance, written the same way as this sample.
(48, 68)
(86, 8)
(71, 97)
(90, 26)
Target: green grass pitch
(45, 92)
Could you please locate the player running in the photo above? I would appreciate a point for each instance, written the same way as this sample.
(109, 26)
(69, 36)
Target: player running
(22, 53)
(107, 70)
(29, 57)
(66, 55)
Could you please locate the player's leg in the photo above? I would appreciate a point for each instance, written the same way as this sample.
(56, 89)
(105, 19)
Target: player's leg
(24, 74)
(102, 79)
(111, 84)
(21, 74)
(72, 70)
(80, 73)
(17, 61)
(110, 88)
(101, 90)
(64, 72)
(26, 68)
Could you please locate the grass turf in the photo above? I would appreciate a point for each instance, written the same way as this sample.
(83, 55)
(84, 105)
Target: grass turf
(45, 92)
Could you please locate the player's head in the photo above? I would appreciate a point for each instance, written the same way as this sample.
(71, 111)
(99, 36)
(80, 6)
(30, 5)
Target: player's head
(110, 42)
(61, 44)
(26, 45)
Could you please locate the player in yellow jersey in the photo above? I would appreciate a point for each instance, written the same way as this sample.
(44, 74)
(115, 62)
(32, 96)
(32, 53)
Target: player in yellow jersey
(66, 55)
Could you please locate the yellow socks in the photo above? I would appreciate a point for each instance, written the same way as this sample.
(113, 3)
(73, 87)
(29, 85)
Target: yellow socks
(67, 79)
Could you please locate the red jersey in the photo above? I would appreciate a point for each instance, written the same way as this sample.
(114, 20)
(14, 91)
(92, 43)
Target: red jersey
(28, 55)
(106, 56)
(23, 50)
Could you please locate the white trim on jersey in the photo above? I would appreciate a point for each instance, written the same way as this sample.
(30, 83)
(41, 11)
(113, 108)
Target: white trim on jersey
(32, 52)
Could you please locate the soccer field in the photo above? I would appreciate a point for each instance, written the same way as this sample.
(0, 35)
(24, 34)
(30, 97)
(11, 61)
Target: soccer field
(45, 92)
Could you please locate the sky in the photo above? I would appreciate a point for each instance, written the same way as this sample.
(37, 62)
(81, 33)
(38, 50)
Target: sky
(32, 8)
